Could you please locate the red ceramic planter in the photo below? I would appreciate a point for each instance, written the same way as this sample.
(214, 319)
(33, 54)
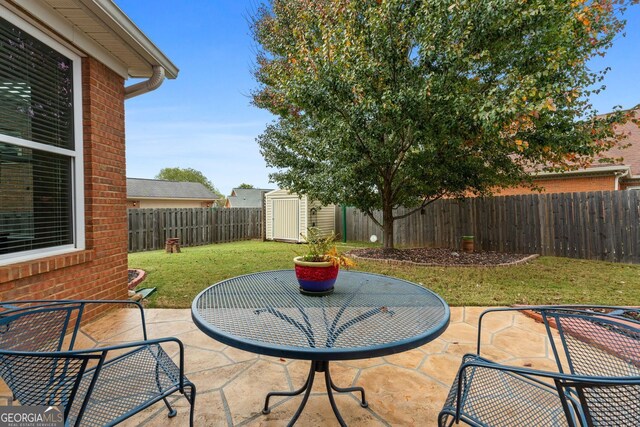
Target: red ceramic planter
(315, 278)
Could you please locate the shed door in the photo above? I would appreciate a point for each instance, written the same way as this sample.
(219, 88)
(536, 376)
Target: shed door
(285, 219)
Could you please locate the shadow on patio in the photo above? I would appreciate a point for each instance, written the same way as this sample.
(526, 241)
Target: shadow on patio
(404, 389)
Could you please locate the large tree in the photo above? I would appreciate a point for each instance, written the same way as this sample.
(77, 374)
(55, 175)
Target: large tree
(187, 175)
(388, 103)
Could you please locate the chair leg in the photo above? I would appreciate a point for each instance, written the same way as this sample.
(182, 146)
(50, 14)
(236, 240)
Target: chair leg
(445, 419)
(192, 402)
(172, 412)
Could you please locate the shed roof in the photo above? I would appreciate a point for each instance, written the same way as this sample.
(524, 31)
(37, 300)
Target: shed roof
(160, 189)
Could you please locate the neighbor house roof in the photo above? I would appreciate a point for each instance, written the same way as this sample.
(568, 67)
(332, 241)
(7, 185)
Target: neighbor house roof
(629, 152)
(246, 197)
(139, 188)
(103, 31)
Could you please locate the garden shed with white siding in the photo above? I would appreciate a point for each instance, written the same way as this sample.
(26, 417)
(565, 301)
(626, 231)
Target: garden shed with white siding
(288, 215)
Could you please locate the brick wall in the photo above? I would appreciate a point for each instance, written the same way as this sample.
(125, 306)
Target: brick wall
(566, 184)
(100, 271)
(629, 183)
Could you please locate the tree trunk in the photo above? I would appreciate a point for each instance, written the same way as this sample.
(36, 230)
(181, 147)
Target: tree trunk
(387, 226)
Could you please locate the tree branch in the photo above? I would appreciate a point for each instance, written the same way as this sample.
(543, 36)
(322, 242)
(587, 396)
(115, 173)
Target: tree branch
(426, 201)
(404, 149)
(370, 215)
(365, 149)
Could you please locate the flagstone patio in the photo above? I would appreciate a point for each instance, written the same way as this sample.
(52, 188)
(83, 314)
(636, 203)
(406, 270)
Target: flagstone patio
(404, 389)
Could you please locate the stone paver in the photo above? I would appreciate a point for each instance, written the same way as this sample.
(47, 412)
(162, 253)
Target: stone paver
(405, 389)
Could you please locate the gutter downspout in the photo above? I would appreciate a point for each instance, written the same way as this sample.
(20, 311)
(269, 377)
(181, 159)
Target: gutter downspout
(619, 175)
(152, 83)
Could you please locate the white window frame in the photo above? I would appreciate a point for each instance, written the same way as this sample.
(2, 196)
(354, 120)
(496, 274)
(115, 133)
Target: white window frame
(75, 155)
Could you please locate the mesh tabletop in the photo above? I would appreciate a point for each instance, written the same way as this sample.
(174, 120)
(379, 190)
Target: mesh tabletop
(367, 315)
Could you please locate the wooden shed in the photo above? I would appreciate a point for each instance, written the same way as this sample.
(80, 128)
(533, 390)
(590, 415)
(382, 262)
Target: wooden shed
(288, 215)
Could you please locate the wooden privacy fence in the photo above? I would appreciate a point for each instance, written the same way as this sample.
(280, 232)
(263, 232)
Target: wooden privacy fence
(594, 225)
(150, 228)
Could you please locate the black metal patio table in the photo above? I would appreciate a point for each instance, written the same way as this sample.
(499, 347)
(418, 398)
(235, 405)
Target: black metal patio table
(368, 315)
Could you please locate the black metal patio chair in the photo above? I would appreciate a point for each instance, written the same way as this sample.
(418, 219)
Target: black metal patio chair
(597, 383)
(100, 386)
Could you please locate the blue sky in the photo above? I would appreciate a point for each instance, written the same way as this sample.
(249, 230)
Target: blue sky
(204, 120)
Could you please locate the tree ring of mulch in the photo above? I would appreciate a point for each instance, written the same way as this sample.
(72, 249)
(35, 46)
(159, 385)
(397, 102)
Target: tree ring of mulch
(440, 257)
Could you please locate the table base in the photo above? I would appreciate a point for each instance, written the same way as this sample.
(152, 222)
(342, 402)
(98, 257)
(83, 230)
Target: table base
(316, 366)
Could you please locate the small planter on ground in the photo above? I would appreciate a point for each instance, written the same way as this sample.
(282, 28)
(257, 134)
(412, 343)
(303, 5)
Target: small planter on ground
(467, 244)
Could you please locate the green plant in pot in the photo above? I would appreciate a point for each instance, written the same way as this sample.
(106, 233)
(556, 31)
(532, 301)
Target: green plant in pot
(317, 271)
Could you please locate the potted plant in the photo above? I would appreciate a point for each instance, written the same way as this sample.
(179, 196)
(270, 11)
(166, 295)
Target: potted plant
(318, 269)
(467, 244)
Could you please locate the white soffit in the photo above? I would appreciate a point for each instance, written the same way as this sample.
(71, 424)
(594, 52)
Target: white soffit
(100, 29)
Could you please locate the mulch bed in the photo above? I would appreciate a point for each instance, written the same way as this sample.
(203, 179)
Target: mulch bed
(440, 257)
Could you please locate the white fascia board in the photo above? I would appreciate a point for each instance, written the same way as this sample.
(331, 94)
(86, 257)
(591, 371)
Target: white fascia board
(120, 23)
(589, 171)
(65, 33)
(109, 14)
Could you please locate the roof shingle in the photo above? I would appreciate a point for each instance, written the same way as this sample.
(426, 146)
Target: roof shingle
(247, 197)
(157, 188)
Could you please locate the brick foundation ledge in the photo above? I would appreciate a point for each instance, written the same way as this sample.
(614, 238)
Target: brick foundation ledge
(25, 269)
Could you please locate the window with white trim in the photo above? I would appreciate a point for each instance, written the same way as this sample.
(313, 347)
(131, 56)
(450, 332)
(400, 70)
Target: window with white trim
(41, 202)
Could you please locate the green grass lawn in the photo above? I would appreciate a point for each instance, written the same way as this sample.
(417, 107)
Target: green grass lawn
(547, 280)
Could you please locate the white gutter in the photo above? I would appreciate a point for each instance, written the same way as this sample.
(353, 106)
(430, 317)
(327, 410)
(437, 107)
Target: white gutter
(618, 175)
(119, 22)
(622, 170)
(148, 85)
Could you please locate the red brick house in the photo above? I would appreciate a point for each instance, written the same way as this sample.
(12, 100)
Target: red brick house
(600, 176)
(63, 67)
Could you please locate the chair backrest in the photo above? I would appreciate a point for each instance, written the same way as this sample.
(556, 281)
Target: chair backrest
(31, 361)
(40, 328)
(45, 379)
(606, 348)
(607, 403)
(596, 345)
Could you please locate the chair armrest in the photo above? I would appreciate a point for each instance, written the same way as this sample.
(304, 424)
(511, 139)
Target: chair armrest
(528, 372)
(101, 352)
(139, 344)
(120, 302)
